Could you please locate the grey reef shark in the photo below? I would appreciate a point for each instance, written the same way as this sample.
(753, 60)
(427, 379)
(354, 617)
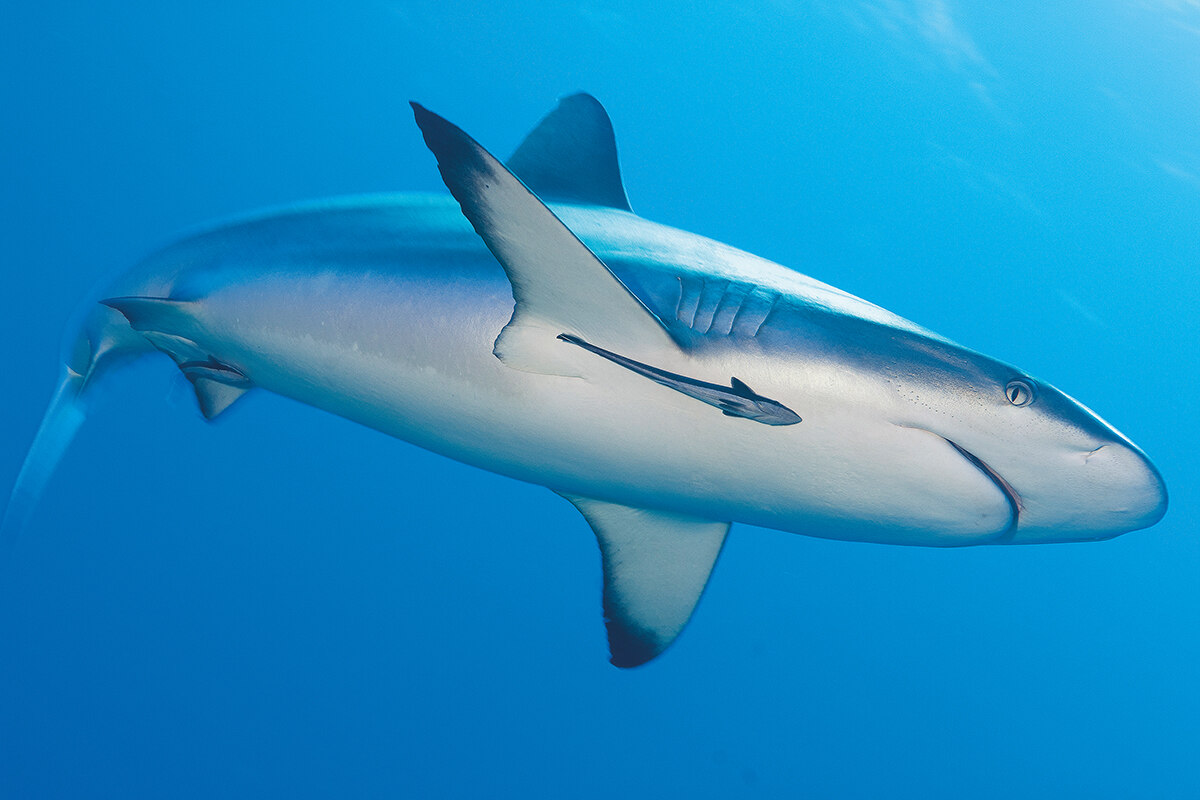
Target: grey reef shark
(665, 384)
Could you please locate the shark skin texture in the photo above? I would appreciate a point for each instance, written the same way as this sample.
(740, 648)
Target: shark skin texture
(534, 326)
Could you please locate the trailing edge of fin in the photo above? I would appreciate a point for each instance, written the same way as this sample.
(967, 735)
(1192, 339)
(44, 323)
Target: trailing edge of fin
(571, 156)
(656, 565)
(557, 282)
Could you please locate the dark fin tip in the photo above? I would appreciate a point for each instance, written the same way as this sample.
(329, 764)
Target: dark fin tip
(440, 133)
(627, 649)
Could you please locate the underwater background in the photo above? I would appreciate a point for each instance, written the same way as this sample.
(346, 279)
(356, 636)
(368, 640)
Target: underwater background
(285, 604)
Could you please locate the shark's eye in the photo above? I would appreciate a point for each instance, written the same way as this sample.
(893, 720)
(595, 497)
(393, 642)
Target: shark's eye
(1019, 393)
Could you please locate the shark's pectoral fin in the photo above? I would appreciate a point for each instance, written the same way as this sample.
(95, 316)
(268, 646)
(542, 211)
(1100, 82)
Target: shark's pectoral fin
(558, 283)
(656, 565)
(521, 345)
(163, 321)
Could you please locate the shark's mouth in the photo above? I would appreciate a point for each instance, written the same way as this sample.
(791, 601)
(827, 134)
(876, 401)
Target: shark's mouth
(1010, 494)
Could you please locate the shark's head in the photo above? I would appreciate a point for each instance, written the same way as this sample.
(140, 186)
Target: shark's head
(1068, 474)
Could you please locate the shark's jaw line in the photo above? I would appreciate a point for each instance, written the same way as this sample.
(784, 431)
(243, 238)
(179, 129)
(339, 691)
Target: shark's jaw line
(1010, 494)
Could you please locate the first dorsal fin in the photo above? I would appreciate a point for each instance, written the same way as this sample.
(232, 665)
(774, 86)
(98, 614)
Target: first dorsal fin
(656, 564)
(571, 156)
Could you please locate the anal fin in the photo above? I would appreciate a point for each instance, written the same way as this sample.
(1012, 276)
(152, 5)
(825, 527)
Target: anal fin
(164, 322)
(656, 565)
(218, 385)
(214, 392)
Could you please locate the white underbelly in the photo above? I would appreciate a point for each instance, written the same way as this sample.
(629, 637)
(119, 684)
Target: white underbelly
(416, 363)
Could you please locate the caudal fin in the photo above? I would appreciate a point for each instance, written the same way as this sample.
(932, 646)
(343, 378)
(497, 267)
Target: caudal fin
(62, 419)
(101, 340)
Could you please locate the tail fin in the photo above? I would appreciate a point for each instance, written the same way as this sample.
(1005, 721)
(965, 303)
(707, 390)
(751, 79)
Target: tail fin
(104, 340)
(63, 418)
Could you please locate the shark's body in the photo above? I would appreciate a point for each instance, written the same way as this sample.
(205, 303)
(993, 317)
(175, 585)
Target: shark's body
(607, 381)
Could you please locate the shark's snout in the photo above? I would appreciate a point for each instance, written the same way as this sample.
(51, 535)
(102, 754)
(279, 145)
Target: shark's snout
(1100, 493)
(1135, 493)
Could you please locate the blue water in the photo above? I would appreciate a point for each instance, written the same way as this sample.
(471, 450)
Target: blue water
(287, 605)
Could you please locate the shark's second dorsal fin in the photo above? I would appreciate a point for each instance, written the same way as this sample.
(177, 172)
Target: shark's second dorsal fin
(656, 565)
(559, 285)
(571, 156)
